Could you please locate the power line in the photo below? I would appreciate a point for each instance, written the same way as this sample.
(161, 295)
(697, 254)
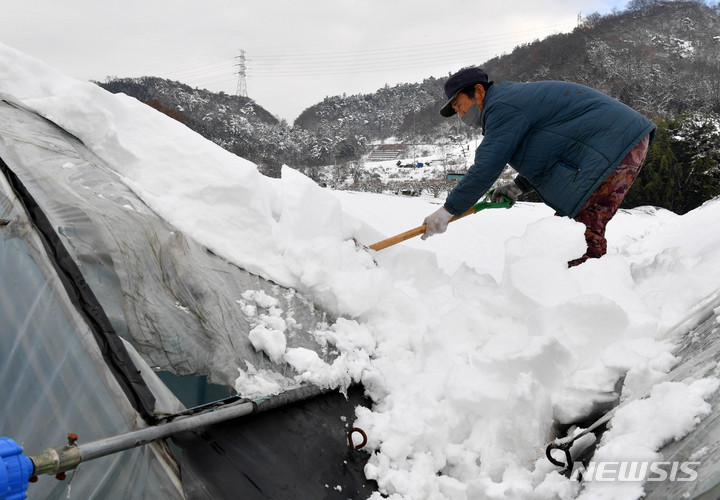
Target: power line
(414, 47)
(390, 61)
(346, 62)
(224, 64)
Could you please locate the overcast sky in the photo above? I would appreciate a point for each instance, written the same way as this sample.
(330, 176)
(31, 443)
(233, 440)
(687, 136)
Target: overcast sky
(296, 52)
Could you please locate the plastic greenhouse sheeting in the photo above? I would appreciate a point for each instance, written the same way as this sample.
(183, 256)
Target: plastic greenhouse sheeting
(54, 380)
(698, 351)
(177, 303)
(98, 294)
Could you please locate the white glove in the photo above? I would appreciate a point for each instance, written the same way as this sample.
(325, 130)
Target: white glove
(436, 222)
(511, 190)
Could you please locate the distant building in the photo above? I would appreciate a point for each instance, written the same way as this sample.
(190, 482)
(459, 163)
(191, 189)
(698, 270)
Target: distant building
(454, 176)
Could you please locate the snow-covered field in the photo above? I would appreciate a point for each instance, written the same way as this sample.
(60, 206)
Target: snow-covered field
(472, 343)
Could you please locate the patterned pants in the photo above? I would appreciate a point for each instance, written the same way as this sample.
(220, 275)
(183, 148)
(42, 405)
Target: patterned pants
(605, 201)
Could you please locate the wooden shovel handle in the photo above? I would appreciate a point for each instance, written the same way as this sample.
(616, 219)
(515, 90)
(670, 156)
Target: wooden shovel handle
(486, 203)
(410, 234)
(398, 238)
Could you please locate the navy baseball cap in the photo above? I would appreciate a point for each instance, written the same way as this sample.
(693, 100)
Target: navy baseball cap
(457, 82)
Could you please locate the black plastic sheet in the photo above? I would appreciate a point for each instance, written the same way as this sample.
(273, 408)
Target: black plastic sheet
(300, 450)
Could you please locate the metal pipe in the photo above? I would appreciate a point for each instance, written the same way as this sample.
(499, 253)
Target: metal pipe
(68, 457)
(133, 439)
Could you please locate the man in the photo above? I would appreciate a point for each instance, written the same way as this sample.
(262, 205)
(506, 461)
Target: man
(577, 148)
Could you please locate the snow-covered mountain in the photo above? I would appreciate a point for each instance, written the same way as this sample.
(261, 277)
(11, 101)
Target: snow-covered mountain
(658, 57)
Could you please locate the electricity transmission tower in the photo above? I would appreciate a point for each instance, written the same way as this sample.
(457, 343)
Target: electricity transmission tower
(242, 83)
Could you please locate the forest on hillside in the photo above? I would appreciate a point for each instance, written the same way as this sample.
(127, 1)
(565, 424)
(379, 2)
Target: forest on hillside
(660, 57)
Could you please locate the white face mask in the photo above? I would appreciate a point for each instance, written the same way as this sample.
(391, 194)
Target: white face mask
(472, 116)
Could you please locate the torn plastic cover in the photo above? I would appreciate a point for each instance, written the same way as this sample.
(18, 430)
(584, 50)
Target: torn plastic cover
(182, 307)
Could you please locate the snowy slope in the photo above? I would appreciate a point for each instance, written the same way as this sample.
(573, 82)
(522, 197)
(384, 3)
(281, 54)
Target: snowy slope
(471, 344)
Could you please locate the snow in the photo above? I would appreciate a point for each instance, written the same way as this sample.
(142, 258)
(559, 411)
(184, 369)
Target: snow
(470, 344)
(635, 434)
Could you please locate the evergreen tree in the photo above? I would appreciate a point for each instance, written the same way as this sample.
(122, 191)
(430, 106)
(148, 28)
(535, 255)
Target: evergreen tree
(682, 167)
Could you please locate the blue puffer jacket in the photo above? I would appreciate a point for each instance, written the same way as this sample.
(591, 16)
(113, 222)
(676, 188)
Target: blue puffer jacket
(563, 138)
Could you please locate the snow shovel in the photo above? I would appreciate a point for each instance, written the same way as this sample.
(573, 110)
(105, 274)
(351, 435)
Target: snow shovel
(485, 203)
